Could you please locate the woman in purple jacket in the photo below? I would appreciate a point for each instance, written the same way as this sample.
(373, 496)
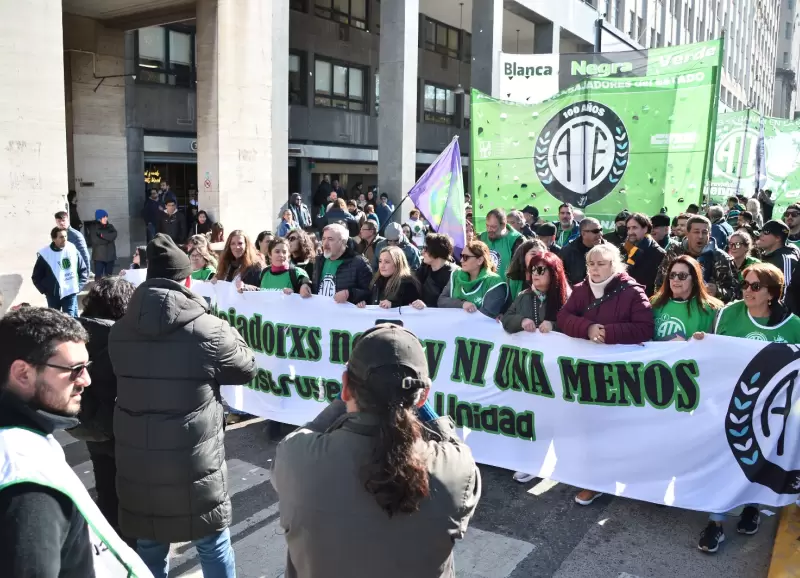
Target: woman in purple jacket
(608, 307)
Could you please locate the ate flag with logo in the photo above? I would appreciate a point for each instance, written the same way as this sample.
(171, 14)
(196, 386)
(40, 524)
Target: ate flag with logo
(626, 136)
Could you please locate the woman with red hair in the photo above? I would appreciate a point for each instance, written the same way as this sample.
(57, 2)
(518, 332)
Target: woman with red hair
(536, 309)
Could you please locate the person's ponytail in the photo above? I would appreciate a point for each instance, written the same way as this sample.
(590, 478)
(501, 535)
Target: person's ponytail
(397, 476)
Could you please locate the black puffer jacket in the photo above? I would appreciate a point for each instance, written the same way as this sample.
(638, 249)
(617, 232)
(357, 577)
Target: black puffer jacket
(354, 274)
(787, 259)
(170, 357)
(104, 247)
(573, 255)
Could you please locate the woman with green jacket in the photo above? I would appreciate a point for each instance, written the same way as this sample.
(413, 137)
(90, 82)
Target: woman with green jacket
(476, 287)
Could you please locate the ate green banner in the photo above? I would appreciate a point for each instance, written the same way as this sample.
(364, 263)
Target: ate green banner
(736, 154)
(606, 144)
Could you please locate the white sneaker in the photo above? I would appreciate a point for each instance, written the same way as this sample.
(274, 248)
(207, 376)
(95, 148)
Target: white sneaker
(523, 478)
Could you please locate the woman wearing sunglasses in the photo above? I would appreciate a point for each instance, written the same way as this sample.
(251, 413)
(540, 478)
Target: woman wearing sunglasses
(518, 274)
(683, 305)
(760, 315)
(476, 287)
(740, 247)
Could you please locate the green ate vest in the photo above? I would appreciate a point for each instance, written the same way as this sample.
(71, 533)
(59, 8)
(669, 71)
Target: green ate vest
(502, 249)
(30, 457)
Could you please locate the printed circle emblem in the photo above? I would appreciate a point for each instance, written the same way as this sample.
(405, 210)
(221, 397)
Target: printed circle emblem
(66, 263)
(582, 153)
(761, 408)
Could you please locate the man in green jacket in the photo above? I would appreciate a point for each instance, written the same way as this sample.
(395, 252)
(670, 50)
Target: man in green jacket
(502, 240)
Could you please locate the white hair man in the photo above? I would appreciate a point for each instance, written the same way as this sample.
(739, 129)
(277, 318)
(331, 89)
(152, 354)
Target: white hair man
(340, 272)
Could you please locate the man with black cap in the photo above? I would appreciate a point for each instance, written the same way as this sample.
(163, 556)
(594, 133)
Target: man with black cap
(547, 235)
(661, 230)
(171, 356)
(620, 233)
(786, 257)
(531, 215)
(380, 445)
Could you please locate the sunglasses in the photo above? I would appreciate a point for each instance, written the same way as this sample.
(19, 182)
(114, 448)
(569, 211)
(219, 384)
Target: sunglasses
(593, 231)
(737, 245)
(74, 372)
(754, 287)
(290, 239)
(465, 257)
(682, 276)
(793, 214)
(539, 270)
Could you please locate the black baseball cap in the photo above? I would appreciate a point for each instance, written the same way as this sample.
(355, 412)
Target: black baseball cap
(531, 210)
(388, 355)
(777, 228)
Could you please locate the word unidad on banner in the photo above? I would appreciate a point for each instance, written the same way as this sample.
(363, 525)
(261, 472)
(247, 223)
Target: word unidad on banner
(658, 384)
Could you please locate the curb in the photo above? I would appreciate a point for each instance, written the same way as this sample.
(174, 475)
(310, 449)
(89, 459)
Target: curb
(785, 561)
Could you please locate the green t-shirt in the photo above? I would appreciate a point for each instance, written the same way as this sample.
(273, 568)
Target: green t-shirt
(327, 284)
(675, 319)
(279, 281)
(203, 274)
(745, 264)
(795, 242)
(735, 320)
(501, 250)
(563, 235)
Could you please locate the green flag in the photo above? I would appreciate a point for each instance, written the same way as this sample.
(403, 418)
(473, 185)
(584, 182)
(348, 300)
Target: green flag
(606, 144)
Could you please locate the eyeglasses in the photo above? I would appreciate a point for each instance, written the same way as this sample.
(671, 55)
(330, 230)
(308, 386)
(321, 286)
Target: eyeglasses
(593, 231)
(682, 276)
(465, 257)
(539, 270)
(737, 245)
(754, 287)
(74, 372)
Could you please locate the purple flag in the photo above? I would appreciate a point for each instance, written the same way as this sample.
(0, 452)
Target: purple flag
(439, 195)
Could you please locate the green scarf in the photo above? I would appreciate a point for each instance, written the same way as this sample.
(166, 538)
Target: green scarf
(462, 287)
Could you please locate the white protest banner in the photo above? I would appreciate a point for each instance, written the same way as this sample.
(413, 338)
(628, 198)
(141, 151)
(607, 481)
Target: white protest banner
(135, 276)
(705, 425)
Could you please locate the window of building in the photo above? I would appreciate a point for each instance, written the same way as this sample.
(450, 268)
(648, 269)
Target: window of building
(165, 55)
(466, 49)
(439, 104)
(631, 25)
(441, 38)
(377, 93)
(299, 5)
(467, 102)
(788, 32)
(297, 79)
(352, 12)
(338, 86)
(640, 31)
(619, 14)
(786, 60)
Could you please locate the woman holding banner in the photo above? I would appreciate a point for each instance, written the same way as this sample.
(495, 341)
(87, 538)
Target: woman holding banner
(281, 274)
(518, 273)
(476, 287)
(683, 305)
(239, 260)
(762, 316)
(393, 285)
(436, 269)
(608, 307)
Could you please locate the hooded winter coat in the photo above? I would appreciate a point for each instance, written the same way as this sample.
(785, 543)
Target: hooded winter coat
(625, 313)
(170, 356)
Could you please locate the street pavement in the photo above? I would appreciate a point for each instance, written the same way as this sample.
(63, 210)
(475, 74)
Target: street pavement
(519, 530)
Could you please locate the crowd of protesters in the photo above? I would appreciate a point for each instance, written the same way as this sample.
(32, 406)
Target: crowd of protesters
(155, 430)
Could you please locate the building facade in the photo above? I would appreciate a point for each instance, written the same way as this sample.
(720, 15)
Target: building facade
(788, 61)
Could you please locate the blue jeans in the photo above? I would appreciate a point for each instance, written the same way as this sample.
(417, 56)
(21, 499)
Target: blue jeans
(716, 517)
(103, 269)
(215, 552)
(68, 304)
(151, 231)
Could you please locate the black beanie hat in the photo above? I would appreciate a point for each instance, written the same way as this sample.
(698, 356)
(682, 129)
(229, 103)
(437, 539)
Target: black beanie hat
(166, 261)
(546, 230)
(661, 220)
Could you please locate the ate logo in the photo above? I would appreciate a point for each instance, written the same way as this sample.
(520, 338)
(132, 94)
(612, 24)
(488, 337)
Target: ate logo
(328, 286)
(735, 154)
(66, 263)
(762, 432)
(582, 153)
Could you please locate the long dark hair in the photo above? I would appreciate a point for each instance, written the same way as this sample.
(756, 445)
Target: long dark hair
(396, 476)
(558, 292)
(516, 269)
(307, 249)
(246, 261)
(699, 292)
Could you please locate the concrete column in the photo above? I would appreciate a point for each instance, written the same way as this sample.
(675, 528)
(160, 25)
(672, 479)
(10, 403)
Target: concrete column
(99, 145)
(243, 110)
(307, 189)
(546, 38)
(487, 43)
(33, 154)
(397, 121)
